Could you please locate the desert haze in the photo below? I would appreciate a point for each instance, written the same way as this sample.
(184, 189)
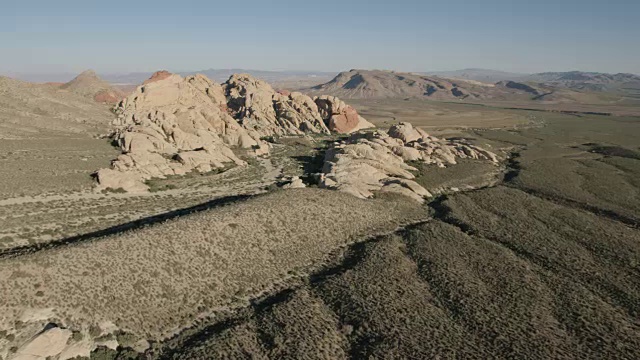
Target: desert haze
(232, 213)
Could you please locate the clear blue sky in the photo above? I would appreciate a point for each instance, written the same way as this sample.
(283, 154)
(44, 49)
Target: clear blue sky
(138, 35)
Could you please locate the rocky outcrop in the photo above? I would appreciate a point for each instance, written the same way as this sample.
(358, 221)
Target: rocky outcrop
(375, 161)
(294, 183)
(172, 125)
(157, 76)
(341, 117)
(257, 105)
(49, 342)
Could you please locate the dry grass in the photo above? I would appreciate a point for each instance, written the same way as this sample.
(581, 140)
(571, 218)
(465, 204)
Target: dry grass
(436, 116)
(50, 165)
(524, 284)
(466, 175)
(54, 212)
(158, 279)
(39, 111)
(516, 277)
(512, 275)
(583, 160)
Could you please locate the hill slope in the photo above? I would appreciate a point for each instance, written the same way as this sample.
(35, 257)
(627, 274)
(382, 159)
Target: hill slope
(361, 84)
(35, 110)
(88, 84)
(388, 84)
(484, 75)
(625, 84)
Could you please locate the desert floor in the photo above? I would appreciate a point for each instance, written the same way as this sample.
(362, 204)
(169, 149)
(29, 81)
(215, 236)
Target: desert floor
(536, 258)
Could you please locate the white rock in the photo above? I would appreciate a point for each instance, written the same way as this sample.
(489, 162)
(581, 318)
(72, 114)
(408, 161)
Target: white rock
(51, 342)
(369, 162)
(170, 117)
(295, 183)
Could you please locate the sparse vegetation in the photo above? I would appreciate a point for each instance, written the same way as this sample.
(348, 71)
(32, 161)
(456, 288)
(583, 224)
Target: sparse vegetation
(260, 246)
(114, 191)
(386, 297)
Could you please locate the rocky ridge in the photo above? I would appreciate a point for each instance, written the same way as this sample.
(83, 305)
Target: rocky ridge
(375, 161)
(172, 125)
(389, 84)
(382, 84)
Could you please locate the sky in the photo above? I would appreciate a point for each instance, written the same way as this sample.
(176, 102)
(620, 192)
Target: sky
(131, 36)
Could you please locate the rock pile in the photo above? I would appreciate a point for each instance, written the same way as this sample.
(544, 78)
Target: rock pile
(172, 125)
(375, 161)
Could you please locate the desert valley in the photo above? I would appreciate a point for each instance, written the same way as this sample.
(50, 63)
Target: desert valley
(373, 214)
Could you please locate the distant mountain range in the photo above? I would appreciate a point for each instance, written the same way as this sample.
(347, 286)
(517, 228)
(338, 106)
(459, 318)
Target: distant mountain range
(218, 75)
(362, 84)
(626, 84)
(484, 75)
(549, 88)
(590, 81)
(376, 83)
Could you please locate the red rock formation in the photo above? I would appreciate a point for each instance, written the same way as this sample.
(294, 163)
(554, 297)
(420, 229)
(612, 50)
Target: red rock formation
(339, 116)
(107, 97)
(157, 76)
(344, 122)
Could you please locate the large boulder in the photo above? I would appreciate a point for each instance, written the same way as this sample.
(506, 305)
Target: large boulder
(48, 343)
(405, 132)
(339, 116)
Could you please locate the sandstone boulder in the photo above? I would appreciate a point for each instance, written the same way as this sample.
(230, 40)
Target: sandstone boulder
(294, 183)
(339, 116)
(50, 342)
(361, 168)
(405, 132)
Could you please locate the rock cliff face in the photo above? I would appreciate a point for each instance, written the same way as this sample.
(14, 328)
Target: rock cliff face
(172, 125)
(375, 161)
